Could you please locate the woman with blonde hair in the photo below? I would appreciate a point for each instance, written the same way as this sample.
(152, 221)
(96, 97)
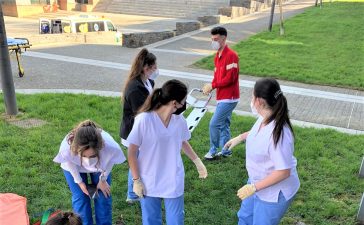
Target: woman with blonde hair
(90, 151)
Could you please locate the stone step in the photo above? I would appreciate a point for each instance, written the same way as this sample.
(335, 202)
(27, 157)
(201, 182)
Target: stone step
(167, 8)
(159, 12)
(142, 13)
(160, 7)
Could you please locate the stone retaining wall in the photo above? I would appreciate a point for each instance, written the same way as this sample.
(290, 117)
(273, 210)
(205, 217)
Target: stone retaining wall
(136, 40)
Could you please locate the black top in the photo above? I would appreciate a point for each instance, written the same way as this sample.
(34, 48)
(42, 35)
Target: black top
(134, 97)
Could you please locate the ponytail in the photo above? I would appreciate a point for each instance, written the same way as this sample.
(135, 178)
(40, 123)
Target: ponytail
(269, 90)
(144, 58)
(153, 102)
(281, 118)
(171, 90)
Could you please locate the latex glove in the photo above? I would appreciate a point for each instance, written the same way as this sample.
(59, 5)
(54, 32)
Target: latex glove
(233, 142)
(246, 191)
(201, 169)
(206, 89)
(138, 188)
(104, 187)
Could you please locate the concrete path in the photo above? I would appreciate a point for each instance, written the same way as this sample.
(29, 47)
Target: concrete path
(105, 68)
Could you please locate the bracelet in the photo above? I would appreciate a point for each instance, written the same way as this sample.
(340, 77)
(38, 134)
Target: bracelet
(136, 178)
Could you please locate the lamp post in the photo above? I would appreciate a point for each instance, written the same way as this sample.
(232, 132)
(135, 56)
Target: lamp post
(7, 82)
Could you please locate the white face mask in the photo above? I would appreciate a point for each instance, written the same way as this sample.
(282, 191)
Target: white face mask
(89, 162)
(215, 45)
(254, 110)
(154, 75)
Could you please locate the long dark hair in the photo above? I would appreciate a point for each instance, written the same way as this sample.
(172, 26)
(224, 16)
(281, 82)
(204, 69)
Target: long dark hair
(269, 90)
(144, 58)
(171, 90)
(65, 218)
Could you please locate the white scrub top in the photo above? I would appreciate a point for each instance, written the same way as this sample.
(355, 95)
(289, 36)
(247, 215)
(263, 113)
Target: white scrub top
(109, 155)
(160, 162)
(262, 158)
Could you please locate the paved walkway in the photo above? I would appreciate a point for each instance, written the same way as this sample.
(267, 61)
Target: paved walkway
(104, 68)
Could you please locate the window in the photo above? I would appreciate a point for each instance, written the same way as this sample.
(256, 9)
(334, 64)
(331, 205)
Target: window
(95, 26)
(110, 26)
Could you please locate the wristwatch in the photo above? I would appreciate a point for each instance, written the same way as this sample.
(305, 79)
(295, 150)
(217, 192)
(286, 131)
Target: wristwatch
(103, 177)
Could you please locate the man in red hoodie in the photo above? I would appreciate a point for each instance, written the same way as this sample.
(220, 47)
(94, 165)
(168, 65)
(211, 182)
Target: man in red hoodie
(226, 83)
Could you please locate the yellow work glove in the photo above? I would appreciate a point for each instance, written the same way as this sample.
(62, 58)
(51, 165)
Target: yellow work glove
(233, 142)
(138, 187)
(201, 169)
(206, 89)
(246, 191)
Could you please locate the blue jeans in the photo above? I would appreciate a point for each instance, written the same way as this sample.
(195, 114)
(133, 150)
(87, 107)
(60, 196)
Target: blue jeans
(81, 203)
(220, 125)
(152, 210)
(254, 211)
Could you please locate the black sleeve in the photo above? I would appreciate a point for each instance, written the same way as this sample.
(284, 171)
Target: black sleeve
(152, 82)
(136, 99)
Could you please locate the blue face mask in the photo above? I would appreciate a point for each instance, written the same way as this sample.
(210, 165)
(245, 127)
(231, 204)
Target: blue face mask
(180, 110)
(254, 110)
(154, 75)
(215, 45)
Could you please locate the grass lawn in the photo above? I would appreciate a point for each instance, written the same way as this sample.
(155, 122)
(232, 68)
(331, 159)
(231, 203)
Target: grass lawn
(320, 46)
(328, 164)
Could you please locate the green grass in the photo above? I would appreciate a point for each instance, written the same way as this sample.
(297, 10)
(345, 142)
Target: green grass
(320, 46)
(328, 164)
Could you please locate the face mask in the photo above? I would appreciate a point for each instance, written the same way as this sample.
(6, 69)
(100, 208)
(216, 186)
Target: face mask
(215, 45)
(154, 75)
(180, 110)
(254, 110)
(89, 162)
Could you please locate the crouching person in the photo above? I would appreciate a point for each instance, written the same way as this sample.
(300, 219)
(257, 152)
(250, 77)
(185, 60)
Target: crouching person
(90, 151)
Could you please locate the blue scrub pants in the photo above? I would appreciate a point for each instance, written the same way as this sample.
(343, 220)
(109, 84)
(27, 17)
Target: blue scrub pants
(152, 210)
(254, 211)
(220, 125)
(81, 203)
(130, 193)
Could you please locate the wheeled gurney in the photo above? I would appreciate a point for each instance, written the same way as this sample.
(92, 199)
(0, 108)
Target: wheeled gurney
(17, 45)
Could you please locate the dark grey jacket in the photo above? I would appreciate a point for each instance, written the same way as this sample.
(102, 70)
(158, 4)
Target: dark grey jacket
(134, 97)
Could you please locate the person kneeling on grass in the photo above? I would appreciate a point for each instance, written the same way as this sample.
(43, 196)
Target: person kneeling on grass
(159, 133)
(89, 150)
(65, 218)
(273, 180)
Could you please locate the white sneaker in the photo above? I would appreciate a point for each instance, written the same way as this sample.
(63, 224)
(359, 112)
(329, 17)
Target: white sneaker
(210, 156)
(131, 201)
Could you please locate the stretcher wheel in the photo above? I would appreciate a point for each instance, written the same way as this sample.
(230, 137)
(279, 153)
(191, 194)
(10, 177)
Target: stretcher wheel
(21, 73)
